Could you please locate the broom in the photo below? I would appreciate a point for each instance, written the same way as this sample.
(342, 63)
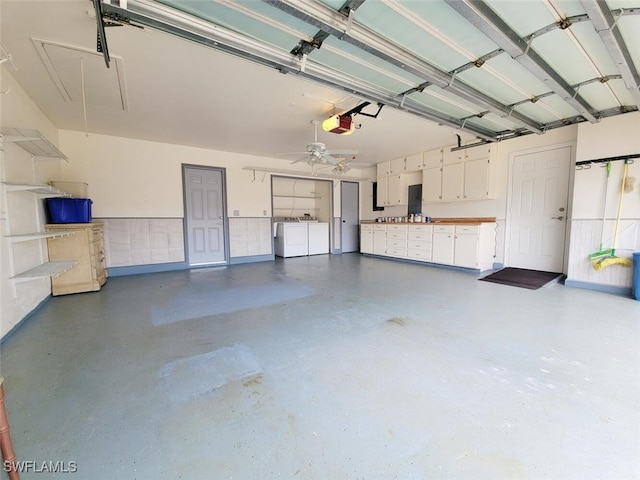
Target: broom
(611, 258)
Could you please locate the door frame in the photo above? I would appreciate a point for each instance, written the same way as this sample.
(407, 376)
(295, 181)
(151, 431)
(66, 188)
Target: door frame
(508, 217)
(342, 182)
(225, 216)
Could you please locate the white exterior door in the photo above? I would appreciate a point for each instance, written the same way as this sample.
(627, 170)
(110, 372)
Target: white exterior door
(538, 216)
(204, 212)
(349, 193)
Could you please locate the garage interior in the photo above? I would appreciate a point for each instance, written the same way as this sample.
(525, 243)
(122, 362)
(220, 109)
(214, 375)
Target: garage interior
(350, 361)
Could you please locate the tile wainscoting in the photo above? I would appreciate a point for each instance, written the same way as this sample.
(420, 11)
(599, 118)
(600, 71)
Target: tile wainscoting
(143, 241)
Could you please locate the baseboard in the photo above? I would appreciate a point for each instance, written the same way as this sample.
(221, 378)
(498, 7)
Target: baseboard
(251, 259)
(24, 319)
(599, 287)
(426, 264)
(497, 266)
(151, 268)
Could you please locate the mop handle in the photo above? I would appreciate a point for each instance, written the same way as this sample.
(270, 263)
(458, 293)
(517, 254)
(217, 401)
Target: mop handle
(624, 179)
(604, 208)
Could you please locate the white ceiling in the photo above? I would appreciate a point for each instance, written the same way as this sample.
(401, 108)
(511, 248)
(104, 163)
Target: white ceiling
(163, 88)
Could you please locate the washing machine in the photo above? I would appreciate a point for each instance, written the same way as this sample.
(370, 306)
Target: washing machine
(292, 239)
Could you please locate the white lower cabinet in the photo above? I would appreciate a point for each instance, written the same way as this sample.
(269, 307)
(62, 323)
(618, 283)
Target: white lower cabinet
(420, 242)
(379, 240)
(467, 246)
(443, 238)
(366, 238)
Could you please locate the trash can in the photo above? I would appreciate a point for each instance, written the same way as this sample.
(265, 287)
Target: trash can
(635, 281)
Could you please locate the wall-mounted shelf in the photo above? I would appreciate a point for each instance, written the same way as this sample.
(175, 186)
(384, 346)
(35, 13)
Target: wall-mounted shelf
(35, 188)
(26, 237)
(49, 269)
(33, 142)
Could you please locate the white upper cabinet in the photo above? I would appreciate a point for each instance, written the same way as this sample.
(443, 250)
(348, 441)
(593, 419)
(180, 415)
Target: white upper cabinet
(414, 162)
(432, 158)
(477, 179)
(452, 182)
(397, 166)
(383, 168)
(431, 185)
(482, 151)
(449, 157)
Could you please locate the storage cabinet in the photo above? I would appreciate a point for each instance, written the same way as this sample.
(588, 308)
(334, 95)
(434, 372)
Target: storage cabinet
(413, 163)
(383, 169)
(452, 182)
(366, 238)
(467, 246)
(420, 242)
(397, 165)
(431, 185)
(432, 158)
(469, 175)
(86, 247)
(392, 190)
(379, 240)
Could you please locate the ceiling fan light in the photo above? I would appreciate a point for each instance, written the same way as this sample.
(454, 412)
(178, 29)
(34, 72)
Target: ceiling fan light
(342, 125)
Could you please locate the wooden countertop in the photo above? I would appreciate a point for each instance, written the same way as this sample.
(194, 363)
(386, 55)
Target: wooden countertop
(442, 221)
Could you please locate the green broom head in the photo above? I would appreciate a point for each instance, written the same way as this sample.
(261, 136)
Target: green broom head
(609, 252)
(601, 263)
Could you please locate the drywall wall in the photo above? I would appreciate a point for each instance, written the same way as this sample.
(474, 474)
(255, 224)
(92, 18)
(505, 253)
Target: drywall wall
(21, 212)
(610, 137)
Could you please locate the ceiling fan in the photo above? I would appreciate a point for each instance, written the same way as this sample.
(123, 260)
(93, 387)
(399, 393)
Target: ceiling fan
(317, 153)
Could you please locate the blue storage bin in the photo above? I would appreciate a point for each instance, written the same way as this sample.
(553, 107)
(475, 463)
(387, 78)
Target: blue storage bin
(69, 210)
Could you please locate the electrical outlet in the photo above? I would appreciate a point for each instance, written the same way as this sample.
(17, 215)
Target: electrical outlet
(236, 213)
(264, 212)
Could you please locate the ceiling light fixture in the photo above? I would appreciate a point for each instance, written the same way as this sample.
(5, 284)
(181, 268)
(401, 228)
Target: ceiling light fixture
(340, 124)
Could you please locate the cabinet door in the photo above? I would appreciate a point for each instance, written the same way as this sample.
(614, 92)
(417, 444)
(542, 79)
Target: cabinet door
(442, 248)
(366, 240)
(383, 168)
(466, 251)
(414, 162)
(449, 157)
(397, 190)
(397, 166)
(476, 179)
(379, 242)
(431, 185)
(483, 151)
(432, 158)
(452, 182)
(382, 199)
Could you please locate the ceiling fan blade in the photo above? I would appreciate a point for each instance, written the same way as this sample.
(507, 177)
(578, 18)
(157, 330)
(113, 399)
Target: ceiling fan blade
(292, 153)
(328, 159)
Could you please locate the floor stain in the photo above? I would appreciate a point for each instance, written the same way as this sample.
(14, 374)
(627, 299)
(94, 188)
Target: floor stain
(253, 381)
(398, 321)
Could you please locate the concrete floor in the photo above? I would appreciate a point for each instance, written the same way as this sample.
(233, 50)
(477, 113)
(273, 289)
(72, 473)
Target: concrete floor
(328, 367)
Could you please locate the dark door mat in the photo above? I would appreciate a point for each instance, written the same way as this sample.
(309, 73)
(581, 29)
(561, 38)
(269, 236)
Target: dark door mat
(520, 277)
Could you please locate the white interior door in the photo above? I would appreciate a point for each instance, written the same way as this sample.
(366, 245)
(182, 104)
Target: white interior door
(350, 219)
(204, 212)
(538, 215)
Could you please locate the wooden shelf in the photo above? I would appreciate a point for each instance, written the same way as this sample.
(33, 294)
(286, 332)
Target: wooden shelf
(49, 269)
(35, 188)
(26, 237)
(33, 142)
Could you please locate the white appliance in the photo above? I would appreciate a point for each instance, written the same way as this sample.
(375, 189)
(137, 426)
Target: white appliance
(300, 236)
(318, 238)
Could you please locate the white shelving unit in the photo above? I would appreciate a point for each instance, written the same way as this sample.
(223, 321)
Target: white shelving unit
(48, 269)
(26, 237)
(39, 189)
(40, 148)
(33, 142)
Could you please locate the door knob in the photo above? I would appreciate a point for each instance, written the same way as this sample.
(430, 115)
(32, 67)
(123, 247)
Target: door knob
(557, 218)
